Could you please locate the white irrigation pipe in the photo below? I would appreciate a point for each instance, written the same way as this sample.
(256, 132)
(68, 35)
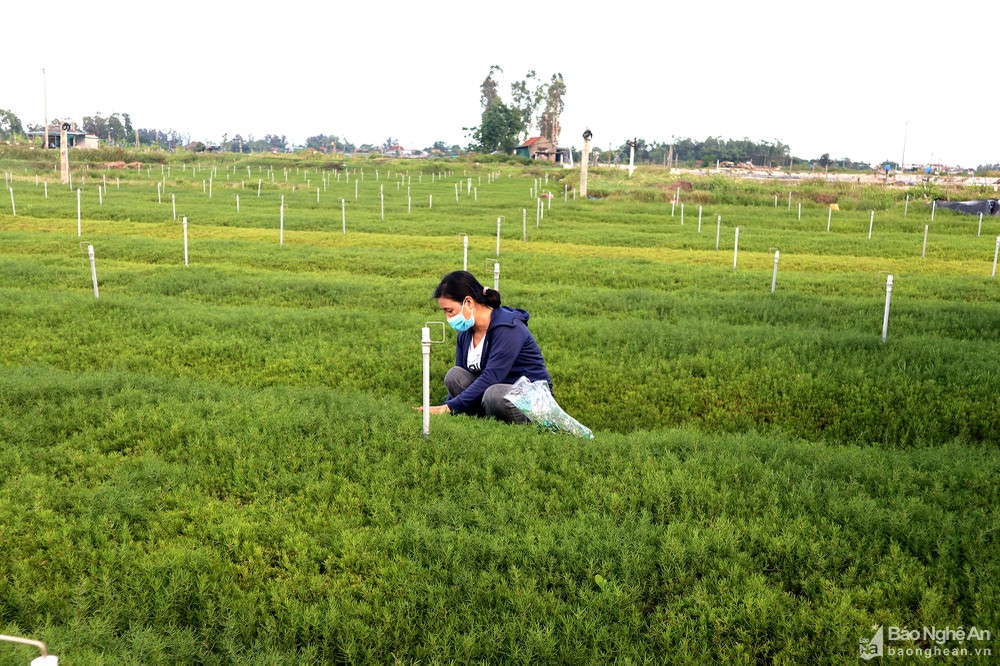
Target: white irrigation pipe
(159, 193)
(906, 206)
(498, 236)
(933, 209)
(425, 343)
(885, 317)
(465, 252)
(173, 205)
(524, 224)
(699, 219)
(789, 199)
(871, 223)
(775, 200)
(980, 232)
(100, 196)
(682, 214)
(13, 208)
(496, 276)
(829, 218)
(79, 231)
(800, 210)
(430, 201)
(237, 203)
(736, 247)
(47, 194)
(774, 276)
(718, 230)
(923, 253)
(45, 660)
(93, 270)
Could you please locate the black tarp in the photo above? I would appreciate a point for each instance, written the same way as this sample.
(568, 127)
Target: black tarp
(986, 207)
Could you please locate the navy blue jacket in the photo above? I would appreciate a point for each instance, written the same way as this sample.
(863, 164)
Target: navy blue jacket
(510, 352)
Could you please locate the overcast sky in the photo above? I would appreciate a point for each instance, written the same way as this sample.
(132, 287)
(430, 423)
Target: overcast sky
(848, 78)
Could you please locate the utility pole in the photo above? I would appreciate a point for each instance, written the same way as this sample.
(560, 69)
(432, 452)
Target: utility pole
(584, 161)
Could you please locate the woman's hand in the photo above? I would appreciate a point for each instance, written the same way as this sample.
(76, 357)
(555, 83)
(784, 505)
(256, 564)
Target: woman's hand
(436, 409)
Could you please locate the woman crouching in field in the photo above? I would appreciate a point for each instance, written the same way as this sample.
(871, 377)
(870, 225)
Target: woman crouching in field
(494, 349)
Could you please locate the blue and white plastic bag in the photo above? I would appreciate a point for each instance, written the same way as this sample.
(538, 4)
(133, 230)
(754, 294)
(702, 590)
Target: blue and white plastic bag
(536, 402)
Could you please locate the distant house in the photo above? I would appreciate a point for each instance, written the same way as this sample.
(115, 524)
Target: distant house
(74, 137)
(540, 148)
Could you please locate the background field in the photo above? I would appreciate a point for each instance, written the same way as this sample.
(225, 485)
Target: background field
(220, 462)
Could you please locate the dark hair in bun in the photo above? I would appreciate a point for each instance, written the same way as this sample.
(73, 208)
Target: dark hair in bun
(459, 285)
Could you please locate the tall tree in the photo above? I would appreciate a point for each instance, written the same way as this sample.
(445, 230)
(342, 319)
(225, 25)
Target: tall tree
(548, 122)
(488, 88)
(10, 124)
(500, 129)
(526, 95)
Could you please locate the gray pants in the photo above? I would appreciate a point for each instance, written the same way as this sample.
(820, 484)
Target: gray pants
(493, 405)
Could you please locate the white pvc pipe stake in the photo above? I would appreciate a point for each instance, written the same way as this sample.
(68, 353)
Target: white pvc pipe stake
(524, 224)
(566, 193)
(185, 223)
(237, 203)
(465, 252)
(933, 209)
(538, 212)
(13, 208)
(93, 270)
(718, 230)
(356, 188)
(995, 253)
(980, 232)
(829, 218)
(47, 194)
(775, 200)
(871, 223)
(774, 277)
(456, 192)
(498, 236)
(800, 210)
(159, 197)
(736, 247)
(549, 205)
(425, 344)
(923, 253)
(699, 219)
(100, 196)
(789, 199)
(78, 224)
(682, 215)
(381, 198)
(430, 201)
(317, 195)
(343, 216)
(258, 188)
(888, 296)
(672, 205)
(496, 276)
(906, 206)
(281, 222)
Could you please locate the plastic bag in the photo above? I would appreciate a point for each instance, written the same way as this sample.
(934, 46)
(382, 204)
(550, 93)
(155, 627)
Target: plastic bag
(536, 402)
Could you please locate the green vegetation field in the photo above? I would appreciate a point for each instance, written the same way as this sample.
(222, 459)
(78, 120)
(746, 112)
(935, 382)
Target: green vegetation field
(221, 463)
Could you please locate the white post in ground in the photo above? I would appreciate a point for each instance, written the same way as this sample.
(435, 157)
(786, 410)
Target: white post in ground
(538, 212)
(524, 224)
(682, 215)
(425, 344)
(498, 236)
(923, 253)
(381, 198)
(699, 218)
(465, 252)
(13, 208)
(995, 253)
(888, 296)
(906, 206)
(631, 158)
(933, 209)
(829, 218)
(78, 230)
(718, 230)
(281, 222)
(736, 247)
(159, 198)
(237, 203)
(343, 216)
(258, 188)
(775, 200)
(210, 181)
(800, 210)
(173, 205)
(430, 201)
(317, 195)
(789, 199)
(100, 196)
(871, 223)
(774, 277)
(355, 189)
(47, 195)
(496, 276)
(409, 204)
(185, 223)
(93, 270)
(980, 232)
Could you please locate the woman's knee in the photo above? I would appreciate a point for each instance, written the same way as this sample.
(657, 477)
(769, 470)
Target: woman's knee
(457, 380)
